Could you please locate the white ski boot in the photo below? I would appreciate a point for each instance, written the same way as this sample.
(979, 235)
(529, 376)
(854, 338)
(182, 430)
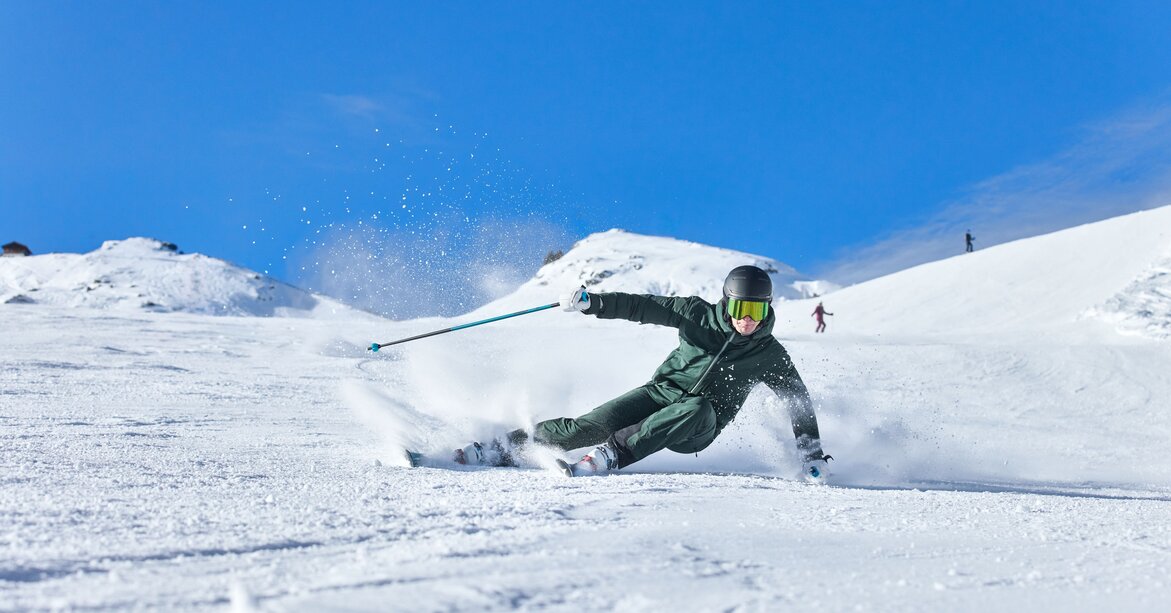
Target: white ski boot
(471, 454)
(599, 461)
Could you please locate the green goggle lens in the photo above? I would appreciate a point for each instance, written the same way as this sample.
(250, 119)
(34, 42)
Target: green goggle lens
(739, 309)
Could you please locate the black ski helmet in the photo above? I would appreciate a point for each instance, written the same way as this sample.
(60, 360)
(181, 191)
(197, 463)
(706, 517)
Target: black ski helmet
(748, 283)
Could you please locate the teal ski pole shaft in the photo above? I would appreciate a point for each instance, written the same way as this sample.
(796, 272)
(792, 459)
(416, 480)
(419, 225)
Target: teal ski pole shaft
(377, 346)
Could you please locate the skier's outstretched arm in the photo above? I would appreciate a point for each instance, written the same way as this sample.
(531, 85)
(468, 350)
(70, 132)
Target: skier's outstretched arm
(642, 308)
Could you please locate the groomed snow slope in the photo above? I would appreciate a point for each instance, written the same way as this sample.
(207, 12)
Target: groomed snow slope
(179, 461)
(1037, 285)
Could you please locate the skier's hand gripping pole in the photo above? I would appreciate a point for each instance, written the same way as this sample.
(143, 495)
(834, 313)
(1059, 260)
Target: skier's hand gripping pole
(576, 299)
(377, 346)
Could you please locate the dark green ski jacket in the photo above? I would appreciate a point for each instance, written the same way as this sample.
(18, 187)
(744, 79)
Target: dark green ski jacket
(703, 329)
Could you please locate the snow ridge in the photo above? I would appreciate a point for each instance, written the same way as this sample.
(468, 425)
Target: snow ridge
(148, 274)
(621, 261)
(1113, 269)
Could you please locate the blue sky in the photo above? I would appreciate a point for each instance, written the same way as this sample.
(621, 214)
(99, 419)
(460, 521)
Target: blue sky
(385, 148)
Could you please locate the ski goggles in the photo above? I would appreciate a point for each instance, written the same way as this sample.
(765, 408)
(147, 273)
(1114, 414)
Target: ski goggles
(753, 309)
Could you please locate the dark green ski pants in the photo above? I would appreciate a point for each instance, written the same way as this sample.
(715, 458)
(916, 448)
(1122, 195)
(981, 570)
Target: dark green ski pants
(636, 424)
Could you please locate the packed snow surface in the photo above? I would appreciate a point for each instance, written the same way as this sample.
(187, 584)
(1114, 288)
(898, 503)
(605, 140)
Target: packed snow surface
(999, 422)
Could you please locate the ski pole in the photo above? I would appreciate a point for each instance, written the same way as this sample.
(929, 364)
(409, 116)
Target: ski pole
(720, 353)
(377, 346)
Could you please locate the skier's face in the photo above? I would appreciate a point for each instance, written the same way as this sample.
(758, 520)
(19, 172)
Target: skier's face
(745, 326)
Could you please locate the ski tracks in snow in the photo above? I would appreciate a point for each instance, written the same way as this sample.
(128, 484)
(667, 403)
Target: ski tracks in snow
(212, 462)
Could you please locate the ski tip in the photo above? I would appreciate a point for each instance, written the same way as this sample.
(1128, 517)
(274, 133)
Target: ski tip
(414, 458)
(565, 468)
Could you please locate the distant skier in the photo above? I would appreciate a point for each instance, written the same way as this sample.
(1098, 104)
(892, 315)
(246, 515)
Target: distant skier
(725, 350)
(820, 314)
(968, 238)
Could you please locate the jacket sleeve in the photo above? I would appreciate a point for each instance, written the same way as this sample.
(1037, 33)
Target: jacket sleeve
(642, 308)
(786, 383)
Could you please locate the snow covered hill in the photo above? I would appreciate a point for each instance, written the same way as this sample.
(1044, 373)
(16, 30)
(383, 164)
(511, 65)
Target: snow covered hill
(999, 422)
(1114, 270)
(144, 273)
(620, 261)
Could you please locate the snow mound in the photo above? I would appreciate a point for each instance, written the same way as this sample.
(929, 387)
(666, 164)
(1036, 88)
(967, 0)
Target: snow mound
(1143, 308)
(144, 273)
(620, 261)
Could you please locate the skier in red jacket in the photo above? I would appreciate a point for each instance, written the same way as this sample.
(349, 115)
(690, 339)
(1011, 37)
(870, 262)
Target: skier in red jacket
(820, 314)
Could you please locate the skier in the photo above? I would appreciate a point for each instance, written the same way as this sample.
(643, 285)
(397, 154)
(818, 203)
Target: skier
(820, 314)
(968, 238)
(724, 350)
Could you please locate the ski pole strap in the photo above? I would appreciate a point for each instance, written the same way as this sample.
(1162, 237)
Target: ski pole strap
(703, 377)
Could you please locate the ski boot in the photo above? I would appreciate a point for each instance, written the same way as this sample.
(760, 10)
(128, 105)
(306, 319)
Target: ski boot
(601, 460)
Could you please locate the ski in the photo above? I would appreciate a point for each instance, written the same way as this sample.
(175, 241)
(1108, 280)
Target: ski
(565, 467)
(414, 458)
